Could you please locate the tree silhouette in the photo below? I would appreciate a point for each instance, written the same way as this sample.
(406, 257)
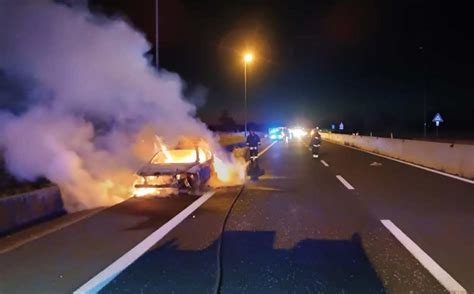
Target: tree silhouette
(226, 121)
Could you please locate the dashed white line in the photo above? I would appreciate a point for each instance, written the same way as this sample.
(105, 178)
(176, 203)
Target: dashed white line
(344, 182)
(324, 163)
(437, 271)
(109, 273)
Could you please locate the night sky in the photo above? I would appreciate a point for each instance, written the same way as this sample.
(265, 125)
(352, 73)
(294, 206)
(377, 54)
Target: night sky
(320, 62)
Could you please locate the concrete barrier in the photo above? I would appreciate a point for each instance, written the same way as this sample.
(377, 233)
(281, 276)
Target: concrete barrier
(24, 209)
(457, 159)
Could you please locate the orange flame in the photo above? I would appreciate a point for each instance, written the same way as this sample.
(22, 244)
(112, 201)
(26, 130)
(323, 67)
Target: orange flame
(227, 171)
(179, 155)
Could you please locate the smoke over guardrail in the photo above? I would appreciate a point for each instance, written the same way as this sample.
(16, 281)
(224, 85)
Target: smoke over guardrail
(92, 102)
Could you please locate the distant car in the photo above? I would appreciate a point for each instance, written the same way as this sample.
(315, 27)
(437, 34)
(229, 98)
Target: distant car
(182, 170)
(279, 133)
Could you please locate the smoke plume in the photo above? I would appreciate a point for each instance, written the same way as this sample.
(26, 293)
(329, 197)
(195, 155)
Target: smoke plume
(93, 101)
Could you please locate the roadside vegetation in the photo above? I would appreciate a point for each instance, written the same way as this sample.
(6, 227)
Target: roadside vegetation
(226, 139)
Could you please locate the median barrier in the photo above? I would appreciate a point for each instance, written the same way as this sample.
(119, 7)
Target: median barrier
(24, 209)
(457, 159)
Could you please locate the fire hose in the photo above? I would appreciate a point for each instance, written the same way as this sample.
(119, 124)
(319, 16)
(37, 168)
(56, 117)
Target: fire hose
(219, 263)
(220, 242)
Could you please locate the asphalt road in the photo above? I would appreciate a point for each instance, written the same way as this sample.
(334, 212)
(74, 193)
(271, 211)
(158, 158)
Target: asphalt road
(295, 228)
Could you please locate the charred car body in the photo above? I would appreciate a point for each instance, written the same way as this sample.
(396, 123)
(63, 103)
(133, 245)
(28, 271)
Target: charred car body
(182, 170)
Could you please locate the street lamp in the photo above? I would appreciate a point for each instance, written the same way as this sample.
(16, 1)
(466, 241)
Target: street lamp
(157, 34)
(248, 58)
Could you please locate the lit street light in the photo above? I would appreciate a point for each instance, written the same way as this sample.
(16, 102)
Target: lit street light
(248, 58)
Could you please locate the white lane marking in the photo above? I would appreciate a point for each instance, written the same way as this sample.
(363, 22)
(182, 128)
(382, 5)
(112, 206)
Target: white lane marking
(324, 163)
(262, 152)
(344, 182)
(410, 164)
(437, 271)
(109, 273)
(266, 149)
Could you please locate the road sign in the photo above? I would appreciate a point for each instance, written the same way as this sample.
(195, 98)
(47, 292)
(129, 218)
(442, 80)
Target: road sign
(438, 119)
(341, 126)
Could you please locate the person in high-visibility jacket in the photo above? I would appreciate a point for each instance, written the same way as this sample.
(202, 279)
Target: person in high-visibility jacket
(253, 141)
(315, 143)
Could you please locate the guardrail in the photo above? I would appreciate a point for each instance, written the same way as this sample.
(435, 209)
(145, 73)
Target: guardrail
(457, 159)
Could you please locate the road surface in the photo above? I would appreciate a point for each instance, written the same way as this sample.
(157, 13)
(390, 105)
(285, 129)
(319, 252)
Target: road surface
(300, 225)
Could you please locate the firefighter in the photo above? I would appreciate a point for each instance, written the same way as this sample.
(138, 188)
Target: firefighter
(315, 143)
(253, 141)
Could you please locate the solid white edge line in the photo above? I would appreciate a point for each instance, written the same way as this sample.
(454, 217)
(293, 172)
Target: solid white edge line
(344, 182)
(324, 163)
(99, 281)
(409, 163)
(437, 271)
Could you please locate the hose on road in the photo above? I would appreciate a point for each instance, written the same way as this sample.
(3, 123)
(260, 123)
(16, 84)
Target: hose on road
(219, 263)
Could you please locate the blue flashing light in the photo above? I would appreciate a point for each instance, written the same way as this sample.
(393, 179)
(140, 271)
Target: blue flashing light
(273, 130)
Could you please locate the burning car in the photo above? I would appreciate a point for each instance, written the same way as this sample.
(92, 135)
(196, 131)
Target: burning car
(182, 170)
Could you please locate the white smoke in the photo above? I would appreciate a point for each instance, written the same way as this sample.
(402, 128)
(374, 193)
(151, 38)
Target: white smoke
(91, 95)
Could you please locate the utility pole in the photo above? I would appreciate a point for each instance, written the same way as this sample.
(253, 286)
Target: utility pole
(423, 56)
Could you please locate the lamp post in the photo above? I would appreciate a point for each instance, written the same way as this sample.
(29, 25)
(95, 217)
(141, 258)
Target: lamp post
(423, 57)
(248, 58)
(157, 34)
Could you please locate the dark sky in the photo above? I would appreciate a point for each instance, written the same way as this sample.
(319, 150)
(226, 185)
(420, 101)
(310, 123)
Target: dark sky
(320, 61)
